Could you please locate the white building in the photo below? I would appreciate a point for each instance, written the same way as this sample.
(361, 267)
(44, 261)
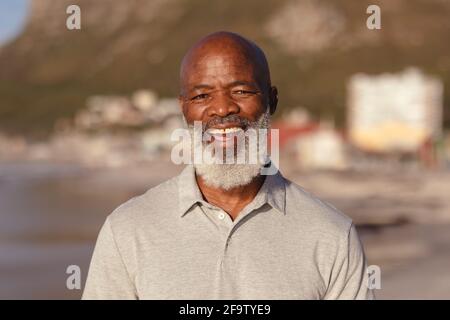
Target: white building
(321, 149)
(394, 112)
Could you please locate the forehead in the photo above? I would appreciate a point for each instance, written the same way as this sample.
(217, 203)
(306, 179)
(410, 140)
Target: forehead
(218, 67)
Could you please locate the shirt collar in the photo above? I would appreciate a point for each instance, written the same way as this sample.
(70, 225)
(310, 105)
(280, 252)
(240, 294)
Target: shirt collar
(273, 191)
(188, 191)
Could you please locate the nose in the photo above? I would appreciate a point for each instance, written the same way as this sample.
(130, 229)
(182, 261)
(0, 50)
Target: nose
(222, 106)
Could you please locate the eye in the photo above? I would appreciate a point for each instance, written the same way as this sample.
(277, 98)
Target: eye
(200, 97)
(243, 92)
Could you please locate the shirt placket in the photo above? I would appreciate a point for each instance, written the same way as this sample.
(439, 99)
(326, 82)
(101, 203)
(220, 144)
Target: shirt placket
(225, 227)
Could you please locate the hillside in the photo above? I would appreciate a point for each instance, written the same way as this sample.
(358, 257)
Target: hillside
(312, 47)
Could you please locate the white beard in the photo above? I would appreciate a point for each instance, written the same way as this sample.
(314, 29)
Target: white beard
(229, 176)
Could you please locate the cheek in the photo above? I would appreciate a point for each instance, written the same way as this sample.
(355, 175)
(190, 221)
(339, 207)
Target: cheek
(193, 113)
(253, 108)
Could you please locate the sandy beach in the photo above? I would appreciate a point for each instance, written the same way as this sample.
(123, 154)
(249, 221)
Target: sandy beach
(51, 215)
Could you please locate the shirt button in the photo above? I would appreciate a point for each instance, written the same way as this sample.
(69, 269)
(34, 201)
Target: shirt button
(221, 216)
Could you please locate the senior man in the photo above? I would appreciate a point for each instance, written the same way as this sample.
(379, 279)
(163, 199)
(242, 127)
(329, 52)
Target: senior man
(226, 231)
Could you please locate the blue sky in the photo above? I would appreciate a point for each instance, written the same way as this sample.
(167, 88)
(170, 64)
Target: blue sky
(12, 18)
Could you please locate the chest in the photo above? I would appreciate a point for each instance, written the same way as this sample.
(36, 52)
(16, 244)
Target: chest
(208, 265)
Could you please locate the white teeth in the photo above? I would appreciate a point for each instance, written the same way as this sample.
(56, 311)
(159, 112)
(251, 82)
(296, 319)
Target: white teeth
(224, 131)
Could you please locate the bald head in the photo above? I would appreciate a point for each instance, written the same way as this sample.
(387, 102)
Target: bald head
(225, 74)
(226, 45)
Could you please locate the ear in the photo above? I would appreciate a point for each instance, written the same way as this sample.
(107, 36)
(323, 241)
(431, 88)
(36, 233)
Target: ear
(181, 102)
(273, 99)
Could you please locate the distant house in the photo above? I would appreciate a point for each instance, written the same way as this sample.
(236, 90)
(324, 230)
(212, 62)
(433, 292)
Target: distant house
(315, 145)
(394, 112)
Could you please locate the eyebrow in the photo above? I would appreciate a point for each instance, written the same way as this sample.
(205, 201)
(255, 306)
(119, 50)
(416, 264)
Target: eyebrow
(232, 84)
(242, 83)
(200, 86)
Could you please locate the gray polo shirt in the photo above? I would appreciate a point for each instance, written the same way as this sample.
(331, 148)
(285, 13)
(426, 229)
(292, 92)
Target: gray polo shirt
(169, 243)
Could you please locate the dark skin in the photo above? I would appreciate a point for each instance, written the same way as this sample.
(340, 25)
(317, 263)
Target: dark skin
(226, 74)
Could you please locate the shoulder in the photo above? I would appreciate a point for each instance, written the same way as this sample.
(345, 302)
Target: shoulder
(156, 203)
(309, 210)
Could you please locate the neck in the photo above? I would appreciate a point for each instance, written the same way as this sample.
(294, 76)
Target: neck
(233, 200)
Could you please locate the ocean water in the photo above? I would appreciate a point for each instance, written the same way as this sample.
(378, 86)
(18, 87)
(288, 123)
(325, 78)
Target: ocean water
(50, 216)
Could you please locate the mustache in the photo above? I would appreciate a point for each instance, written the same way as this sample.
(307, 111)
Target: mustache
(232, 118)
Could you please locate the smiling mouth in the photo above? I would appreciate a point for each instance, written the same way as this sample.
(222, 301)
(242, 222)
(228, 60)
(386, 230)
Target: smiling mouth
(224, 134)
(222, 131)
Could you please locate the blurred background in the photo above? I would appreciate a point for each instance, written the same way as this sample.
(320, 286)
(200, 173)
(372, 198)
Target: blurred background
(86, 117)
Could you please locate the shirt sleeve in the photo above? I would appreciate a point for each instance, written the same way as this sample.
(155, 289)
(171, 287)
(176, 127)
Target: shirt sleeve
(108, 277)
(349, 278)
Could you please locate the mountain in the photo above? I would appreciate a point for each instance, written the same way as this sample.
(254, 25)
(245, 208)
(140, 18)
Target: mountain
(313, 47)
